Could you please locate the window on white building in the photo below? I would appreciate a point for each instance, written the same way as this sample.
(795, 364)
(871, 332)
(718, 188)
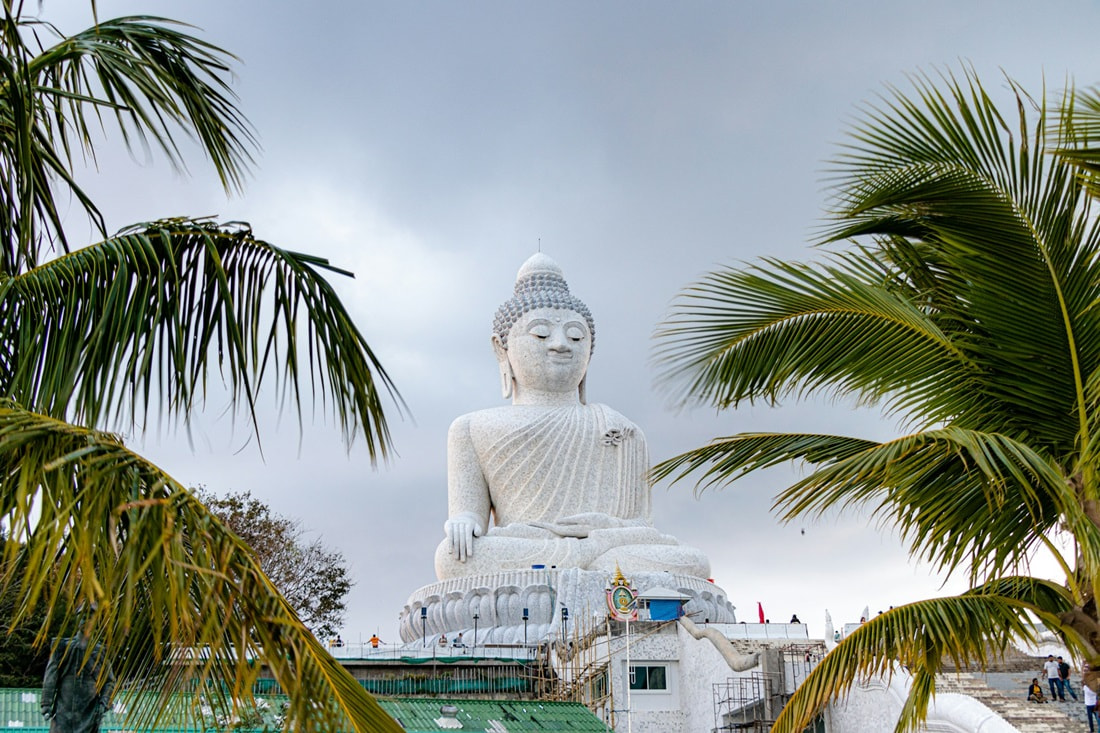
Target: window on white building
(648, 677)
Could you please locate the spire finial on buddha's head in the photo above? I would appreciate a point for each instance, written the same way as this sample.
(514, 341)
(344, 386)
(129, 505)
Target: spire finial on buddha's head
(540, 283)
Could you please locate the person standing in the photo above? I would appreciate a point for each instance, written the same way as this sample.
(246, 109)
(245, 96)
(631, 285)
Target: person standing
(1050, 668)
(1090, 705)
(77, 686)
(1063, 674)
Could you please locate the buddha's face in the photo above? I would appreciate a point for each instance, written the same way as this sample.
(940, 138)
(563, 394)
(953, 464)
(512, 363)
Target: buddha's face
(548, 350)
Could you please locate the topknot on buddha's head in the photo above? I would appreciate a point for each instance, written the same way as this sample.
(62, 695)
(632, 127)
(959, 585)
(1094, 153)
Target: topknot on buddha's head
(539, 284)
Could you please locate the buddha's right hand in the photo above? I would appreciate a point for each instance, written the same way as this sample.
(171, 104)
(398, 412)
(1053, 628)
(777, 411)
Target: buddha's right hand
(461, 530)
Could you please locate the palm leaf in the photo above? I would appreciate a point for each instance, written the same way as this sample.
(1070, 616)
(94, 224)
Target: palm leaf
(968, 290)
(155, 80)
(769, 331)
(969, 628)
(144, 317)
(948, 222)
(179, 601)
(1077, 130)
(960, 498)
(151, 76)
(983, 202)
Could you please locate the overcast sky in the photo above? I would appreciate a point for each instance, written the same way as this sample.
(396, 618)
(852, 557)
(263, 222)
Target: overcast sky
(430, 147)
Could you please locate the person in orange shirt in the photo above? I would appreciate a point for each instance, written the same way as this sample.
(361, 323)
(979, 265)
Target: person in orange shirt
(375, 641)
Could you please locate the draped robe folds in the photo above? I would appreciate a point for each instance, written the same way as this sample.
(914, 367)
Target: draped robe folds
(567, 461)
(566, 487)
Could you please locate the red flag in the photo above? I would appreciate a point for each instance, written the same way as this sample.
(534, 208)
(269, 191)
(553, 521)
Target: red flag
(760, 611)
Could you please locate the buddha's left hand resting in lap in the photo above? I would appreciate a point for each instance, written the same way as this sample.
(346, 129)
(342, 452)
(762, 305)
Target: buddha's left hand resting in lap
(562, 482)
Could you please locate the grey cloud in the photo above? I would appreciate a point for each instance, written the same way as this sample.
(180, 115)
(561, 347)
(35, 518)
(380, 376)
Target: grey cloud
(642, 143)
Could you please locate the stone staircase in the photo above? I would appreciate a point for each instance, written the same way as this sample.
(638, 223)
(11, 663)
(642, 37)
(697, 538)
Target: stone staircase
(1013, 660)
(1003, 692)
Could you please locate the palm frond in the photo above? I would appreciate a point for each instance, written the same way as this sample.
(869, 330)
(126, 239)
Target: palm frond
(956, 215)
(767, 331)
(981, 199)
(176, 600)
(151, 75)
(1077, 133)
(155, 80)
(960, 498)
(144, 317)
(724, 460)
(919, 637)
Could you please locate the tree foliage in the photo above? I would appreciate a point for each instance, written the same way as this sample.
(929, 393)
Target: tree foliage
(139, 322)
(961, 294)
(313, 578)
(22, 662)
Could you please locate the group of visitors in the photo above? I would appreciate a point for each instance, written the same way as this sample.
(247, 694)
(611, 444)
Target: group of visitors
(338, 642)
(457, 642)
(1057, 672)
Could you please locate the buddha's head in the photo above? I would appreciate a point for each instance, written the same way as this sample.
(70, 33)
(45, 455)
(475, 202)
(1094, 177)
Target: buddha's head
(543, 336)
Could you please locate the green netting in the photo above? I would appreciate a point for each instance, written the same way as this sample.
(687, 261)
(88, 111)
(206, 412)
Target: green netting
(443, 686)
(19, 710)
(424, 685)
(450, 660)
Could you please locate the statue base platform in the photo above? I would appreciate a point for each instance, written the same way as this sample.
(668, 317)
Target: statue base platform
(499, 600)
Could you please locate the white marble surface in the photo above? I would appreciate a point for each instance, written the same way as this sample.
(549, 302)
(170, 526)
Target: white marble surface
(657, 721)
(499, 599)
(876, 705)
(701, 666)
(550, 479)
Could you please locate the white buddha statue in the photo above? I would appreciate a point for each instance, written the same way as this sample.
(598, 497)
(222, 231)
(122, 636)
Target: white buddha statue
(550, 480)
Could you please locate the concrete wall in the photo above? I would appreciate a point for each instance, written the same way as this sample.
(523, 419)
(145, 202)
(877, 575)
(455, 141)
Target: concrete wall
(648, 711)
(693, 667)
(701, 666)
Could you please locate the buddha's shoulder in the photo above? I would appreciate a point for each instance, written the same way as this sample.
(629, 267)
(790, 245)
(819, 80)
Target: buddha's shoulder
(507, 416)
(480, 422)
(616, 421)
(479, 417)
(609, 413)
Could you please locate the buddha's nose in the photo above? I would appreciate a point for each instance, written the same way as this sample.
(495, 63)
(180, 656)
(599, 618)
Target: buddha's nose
(558, 342)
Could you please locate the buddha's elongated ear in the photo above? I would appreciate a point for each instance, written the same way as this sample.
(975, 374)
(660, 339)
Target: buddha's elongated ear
(507, 379)
(582, 391)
